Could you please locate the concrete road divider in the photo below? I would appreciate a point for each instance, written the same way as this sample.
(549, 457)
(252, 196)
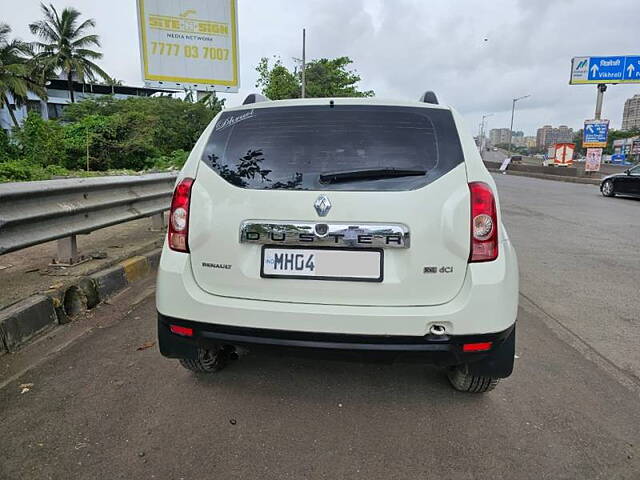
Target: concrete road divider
(28, 318)
(561, 174)
(24, 320)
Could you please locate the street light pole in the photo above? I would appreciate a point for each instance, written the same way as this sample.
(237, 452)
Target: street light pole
(482, 134)
(513, 109)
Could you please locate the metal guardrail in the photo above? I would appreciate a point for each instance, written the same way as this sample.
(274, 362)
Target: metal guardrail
(36, 212)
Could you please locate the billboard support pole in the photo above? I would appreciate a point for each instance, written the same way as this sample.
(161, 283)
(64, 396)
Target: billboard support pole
(304, 41)
(598, 113)
(601, 89)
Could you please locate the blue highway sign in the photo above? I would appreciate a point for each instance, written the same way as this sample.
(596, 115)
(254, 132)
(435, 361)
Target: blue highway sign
(595, 133)
(632, 69)
(618, 69)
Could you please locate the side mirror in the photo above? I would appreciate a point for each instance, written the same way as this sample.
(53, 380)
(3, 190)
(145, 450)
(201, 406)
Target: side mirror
(628, 171)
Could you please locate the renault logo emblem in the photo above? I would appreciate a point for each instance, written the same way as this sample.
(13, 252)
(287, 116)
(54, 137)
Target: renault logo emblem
(322, 205)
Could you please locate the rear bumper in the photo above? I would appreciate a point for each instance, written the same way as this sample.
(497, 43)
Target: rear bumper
(487, 303)
(443, 350)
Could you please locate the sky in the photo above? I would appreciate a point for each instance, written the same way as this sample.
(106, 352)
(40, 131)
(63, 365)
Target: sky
(476, 55)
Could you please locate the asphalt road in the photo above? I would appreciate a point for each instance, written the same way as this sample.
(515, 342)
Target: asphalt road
(579, 256)
(101, 408)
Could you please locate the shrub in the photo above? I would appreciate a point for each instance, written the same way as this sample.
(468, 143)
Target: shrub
(15, 171)
(40, 142)
(123, 140)
(24, 171)
(132, 134)
(7, 149)
(177, 124)
(175, 160)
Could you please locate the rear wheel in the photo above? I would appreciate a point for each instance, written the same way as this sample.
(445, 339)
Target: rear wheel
(208, 361)
(607, 189)
(463, 381)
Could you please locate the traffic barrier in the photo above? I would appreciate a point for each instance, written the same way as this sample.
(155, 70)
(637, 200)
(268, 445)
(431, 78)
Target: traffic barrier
(22, 321)
(560, 171)
(28, 318)
(36, 212)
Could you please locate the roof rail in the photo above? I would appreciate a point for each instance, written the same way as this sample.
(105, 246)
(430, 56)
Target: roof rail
(254, 98)
(429, 97)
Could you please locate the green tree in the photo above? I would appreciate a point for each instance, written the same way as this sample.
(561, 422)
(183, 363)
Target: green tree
(212, 102)
(331, 78)
(65, 45)
(577, 139)
(277, 82)
(112, 82)
(323, 77)
(17, 76)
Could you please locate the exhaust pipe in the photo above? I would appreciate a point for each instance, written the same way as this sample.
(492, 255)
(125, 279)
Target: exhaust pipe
(437, 330)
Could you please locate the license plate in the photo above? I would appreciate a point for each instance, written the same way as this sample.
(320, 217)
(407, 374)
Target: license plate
(322, 263)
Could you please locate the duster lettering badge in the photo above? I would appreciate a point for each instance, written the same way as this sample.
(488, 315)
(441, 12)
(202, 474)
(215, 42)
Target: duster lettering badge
(325, 234)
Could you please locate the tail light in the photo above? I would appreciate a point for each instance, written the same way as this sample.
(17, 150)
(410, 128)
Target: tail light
(484, 223)
(179, 216)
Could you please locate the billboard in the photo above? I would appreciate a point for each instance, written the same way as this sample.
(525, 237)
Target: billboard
(189, 44)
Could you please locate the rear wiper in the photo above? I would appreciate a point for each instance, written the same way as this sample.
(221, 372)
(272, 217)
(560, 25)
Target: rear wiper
(368, 174)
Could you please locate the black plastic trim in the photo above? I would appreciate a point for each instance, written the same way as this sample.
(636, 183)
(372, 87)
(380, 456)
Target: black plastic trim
(443, 350)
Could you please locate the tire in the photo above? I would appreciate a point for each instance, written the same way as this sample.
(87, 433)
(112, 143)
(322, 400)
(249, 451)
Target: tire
(608, 189)
(463, 381)
(208, 361)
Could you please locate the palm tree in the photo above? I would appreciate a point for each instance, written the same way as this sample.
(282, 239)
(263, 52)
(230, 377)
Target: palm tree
(64, 45)
(17, 73)
(112, 82)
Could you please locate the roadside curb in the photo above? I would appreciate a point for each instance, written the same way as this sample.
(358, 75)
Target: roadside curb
(34, 315)
(558, 178)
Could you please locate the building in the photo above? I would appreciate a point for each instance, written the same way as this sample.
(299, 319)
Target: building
(525, 142)
(547, 135)
(530, 142)
(543, 136)
(58, 99)
(564, 134)
(623, 146)
(631, 113)
(499, 136)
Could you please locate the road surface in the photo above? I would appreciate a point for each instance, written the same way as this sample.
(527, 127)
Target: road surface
(101, 408)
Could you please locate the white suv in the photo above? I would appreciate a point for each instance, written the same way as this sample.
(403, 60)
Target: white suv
(341, 226)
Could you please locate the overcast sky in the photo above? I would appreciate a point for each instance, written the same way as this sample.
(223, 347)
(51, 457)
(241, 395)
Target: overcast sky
(404, 47)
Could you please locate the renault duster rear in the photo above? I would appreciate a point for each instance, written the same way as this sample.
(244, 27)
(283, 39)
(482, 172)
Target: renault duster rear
(342, 225)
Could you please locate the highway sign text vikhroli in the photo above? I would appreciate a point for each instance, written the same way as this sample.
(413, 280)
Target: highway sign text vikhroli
(618, 69)
(595, 133)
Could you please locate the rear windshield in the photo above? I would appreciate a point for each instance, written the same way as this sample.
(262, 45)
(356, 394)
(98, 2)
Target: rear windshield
(291, 148)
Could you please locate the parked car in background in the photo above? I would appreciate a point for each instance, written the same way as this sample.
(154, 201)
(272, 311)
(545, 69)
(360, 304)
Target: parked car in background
(626, 183)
